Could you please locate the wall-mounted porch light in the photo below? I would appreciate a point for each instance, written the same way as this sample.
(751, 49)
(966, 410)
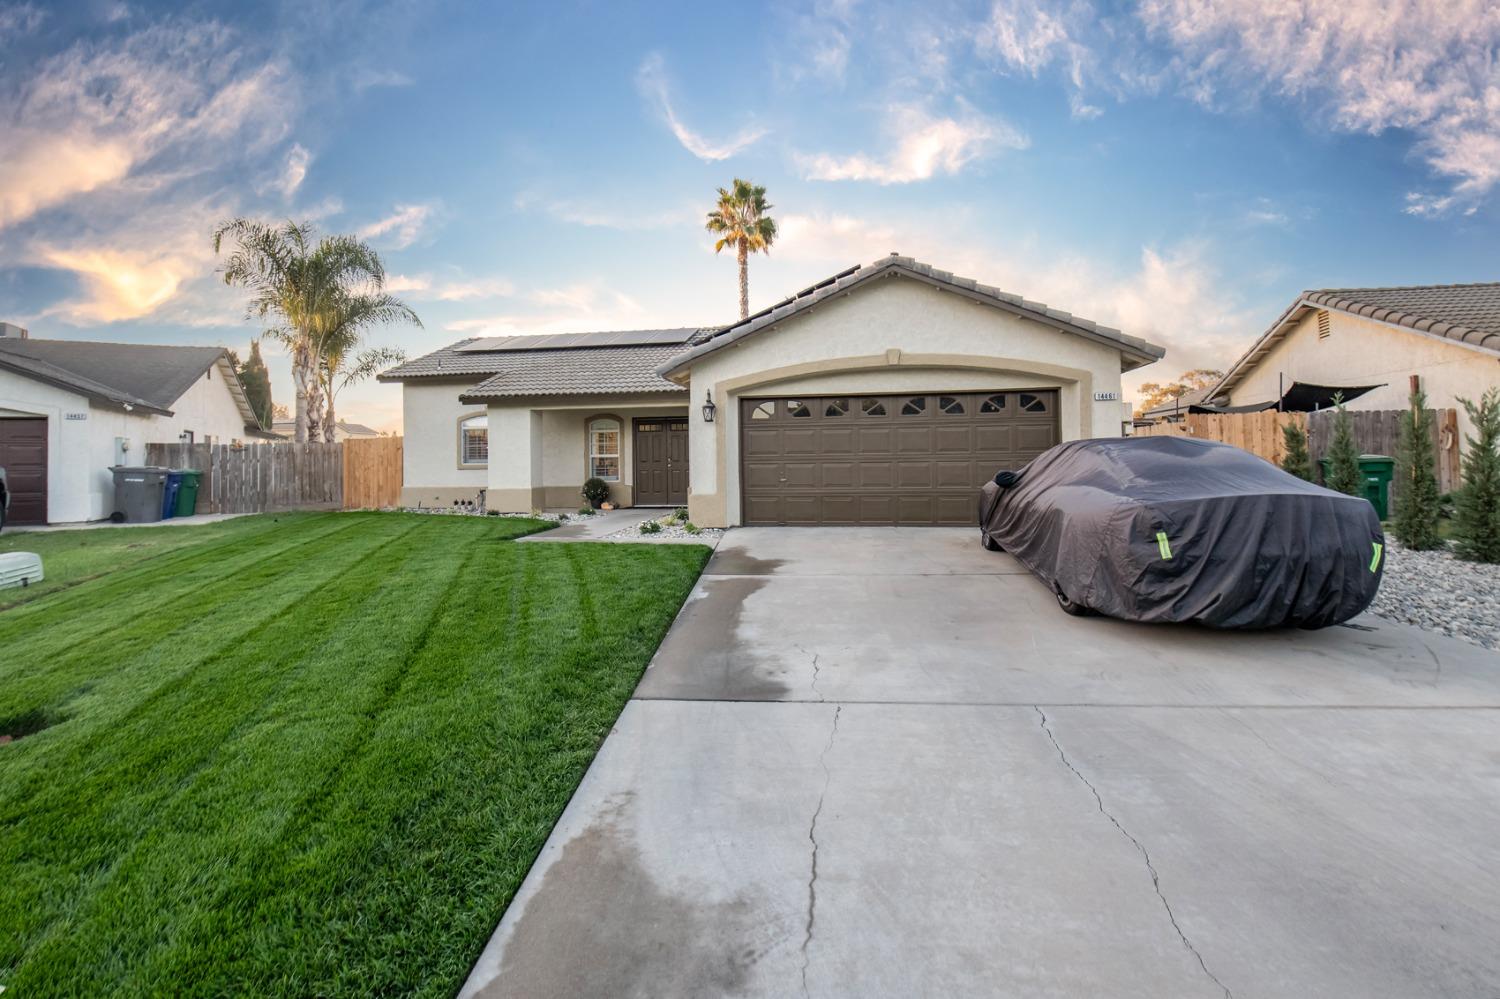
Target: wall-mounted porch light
(708, 407)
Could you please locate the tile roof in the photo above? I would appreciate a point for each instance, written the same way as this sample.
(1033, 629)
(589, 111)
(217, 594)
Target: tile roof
(1468, 313)
(578, 371)
(1138, 350)
(149, 377)
(1465, 313)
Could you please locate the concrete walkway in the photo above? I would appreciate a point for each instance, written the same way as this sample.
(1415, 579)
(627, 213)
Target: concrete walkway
(883, 763)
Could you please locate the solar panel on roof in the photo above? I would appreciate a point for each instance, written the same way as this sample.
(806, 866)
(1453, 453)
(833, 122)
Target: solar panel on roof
(563, 341)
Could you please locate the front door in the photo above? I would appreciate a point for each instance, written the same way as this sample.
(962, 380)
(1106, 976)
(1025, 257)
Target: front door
(661, 461)
(23, 455)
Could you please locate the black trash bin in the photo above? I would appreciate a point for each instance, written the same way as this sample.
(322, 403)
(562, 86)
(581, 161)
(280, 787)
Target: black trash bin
(139, 493)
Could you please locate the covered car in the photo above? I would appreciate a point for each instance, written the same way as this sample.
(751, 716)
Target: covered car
(1166, 529)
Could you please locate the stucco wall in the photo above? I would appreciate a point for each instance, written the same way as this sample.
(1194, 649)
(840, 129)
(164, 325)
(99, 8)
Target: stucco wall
(80, 486)
(1361, 351)
(897, 335)
(430, 413)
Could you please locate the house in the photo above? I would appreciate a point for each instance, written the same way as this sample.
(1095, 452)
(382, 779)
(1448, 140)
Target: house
(69, 409)
(1172, 409)
(1374, 339)
(885, 394)
(342, 430)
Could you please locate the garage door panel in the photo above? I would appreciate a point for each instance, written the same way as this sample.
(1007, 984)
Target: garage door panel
(885, 459)
(800, 441)
(914, 475)
(953, 439)
(800, 475)
(995, 437)
(762, 475)
(914, 440)
(838, 475)
(876, 474)
(956, 474)
(1034, 439)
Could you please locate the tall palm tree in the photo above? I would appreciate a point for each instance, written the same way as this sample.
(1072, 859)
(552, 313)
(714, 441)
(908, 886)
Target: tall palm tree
(740, 221)
(342, 363)
(297, 280)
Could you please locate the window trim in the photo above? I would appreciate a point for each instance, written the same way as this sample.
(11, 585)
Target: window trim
(459, 438)
(588, 446)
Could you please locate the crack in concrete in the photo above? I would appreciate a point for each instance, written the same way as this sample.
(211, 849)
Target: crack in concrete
(1150, 867)
(812, 836)
(817, 671)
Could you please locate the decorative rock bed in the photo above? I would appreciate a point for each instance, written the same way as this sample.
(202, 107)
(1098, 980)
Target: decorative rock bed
(469, 511)
(671, 530)
(1438, 592)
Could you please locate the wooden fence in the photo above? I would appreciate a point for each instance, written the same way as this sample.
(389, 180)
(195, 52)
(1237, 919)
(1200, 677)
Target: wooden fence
(264, 478)
(1375, 432)
(372, 472)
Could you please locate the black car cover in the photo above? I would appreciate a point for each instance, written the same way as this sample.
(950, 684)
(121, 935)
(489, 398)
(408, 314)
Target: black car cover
(1175, 529)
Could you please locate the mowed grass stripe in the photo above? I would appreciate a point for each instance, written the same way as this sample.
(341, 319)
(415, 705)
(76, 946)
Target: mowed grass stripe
(357, 807)
(74, 557)
(83, 664)
(261, 751)
(162, 736)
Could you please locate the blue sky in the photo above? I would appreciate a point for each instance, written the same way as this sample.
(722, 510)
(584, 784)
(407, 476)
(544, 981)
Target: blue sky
(1178, 168)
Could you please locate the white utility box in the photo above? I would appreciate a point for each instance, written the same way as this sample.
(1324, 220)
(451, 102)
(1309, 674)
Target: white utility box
(20, 569)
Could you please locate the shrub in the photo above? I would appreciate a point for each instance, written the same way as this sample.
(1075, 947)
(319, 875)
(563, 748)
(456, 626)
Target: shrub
(1296, 461)
(692, 528)
(585, 511)
(1417, 500)
(1476, 522)
(1344, 475)
(596, 491)
(650, 527)
(680, 515)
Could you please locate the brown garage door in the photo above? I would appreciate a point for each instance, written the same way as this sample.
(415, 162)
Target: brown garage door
(23, 455)
(885, 459)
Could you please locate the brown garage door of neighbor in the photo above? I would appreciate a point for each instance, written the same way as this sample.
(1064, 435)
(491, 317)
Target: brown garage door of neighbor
(23, 455)
(885, 459)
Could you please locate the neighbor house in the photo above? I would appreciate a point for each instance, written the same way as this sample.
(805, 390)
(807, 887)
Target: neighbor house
(342, 430)
(1375, 338)
(884, 395)
(70, 409)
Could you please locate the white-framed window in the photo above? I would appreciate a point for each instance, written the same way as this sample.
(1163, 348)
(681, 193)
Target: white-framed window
(474, 441)
(604, 448)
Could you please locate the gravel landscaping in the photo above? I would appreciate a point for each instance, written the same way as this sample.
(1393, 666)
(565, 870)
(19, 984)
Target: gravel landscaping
(1438, 592)
(671, 530)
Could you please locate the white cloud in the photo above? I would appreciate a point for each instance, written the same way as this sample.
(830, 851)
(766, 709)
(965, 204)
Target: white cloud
(366, 78)
(1365, 65)
(652, 81)
(1029, 35)
(924, 145)
(836, 239)
(579, 307)
(292, 173)
(401, 228)
(607, 215)
(19, 20)
(424, 286)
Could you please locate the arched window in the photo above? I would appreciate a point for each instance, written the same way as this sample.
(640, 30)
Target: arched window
(474, 441)
(604, 448)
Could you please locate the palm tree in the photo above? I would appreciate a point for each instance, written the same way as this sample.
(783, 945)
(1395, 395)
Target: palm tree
(740, 221)
(298, 279)
(342, 363)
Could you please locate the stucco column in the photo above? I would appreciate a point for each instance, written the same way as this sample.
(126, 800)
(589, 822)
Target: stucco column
(515, 474)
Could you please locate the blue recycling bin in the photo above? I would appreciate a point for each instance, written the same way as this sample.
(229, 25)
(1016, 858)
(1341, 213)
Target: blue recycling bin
(169, 494)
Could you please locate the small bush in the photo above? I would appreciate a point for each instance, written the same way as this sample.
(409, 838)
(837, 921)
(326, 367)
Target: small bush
(1296, 461)
(1476, 525)
(692, 528)
(1344, 475)
(680, 515)
(596, 491)
(585, 511)
(650, 527)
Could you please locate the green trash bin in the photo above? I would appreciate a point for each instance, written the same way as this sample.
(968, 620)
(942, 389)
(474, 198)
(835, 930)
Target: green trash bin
(187, 492)
(1377, 470)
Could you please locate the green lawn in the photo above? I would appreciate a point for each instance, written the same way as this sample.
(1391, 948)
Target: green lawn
(308, 755)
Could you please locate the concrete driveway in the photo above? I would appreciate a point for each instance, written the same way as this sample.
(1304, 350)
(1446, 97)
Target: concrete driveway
(882, 762)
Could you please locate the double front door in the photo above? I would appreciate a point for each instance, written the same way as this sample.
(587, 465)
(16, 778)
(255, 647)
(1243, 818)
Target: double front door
(661, 461)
